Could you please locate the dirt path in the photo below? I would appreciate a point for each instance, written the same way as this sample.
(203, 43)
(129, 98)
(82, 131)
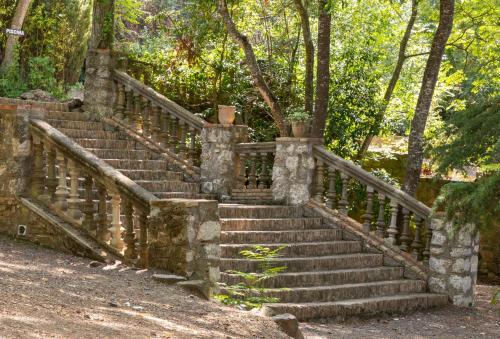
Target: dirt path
(48, 294)
(449, 322)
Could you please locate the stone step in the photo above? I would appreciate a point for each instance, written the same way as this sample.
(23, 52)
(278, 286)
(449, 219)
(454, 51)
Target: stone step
(77, 124)
(76, 116)
(124, 154)
(169, 186)
(323, 263)
(296, 250)
(259, 211)
(271, 224)
(152, 175)
(346, 291)
(321, 278)
(79, 134)
(184, 195)
(113, 144)
(152, 165)
(365, 307)
(255, 237)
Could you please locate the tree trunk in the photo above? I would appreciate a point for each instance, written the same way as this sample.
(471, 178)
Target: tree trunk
(251, 60)
(102, 25)
(395, 75)
(309, 48)
(416, 139)
(322, 70)
(17, 23)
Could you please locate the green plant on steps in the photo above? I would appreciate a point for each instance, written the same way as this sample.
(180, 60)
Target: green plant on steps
(495, 299)
(250, 293)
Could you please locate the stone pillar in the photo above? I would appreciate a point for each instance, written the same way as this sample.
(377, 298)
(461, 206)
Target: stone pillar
(184, 239)
(218, 157)
(99, 86)
(293, 170)
(453, 261)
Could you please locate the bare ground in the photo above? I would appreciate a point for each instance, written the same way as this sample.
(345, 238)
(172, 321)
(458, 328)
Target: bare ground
(482, 321)
(44, 293)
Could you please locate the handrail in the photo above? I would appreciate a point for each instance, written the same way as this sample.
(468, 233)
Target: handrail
(367, 178)
(98, 168)
(159, 100)
(247, 147)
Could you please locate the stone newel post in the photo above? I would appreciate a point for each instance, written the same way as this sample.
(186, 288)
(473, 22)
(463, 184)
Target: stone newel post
(99, 90)
(453, 261)
(293, 170)
(218, 157)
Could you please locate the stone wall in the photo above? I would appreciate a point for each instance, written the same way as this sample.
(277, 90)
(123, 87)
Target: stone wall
(453, 261)
(184, 238)
(218, 157)
(293, 170)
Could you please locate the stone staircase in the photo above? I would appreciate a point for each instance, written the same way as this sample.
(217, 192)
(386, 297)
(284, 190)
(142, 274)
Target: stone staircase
(328, 274)
(148, 169)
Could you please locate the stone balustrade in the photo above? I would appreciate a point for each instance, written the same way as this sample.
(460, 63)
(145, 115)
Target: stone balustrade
(158, 119)
(389, 213)
(254, 163)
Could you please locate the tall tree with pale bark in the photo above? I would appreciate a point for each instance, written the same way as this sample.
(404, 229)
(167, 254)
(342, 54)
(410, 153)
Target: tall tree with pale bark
(429, 80)
(17, 23)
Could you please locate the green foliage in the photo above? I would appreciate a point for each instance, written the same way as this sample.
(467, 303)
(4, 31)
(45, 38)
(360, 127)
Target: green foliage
(11, 84)
(41, 74)
(250, 293)
(472, 137)
(296, 114)
(495, 298)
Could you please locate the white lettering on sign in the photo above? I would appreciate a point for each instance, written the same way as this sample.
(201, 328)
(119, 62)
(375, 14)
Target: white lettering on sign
(13, 31)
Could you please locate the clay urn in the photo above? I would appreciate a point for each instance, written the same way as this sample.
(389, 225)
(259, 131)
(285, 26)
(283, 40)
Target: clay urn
(226, 114)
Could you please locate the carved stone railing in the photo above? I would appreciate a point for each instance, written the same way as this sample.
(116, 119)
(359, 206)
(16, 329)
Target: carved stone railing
(401, 220)
(254, 165)
(57, 157)
(174, 129)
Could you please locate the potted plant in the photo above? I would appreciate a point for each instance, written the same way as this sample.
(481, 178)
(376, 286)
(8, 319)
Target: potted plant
(226, 114)
(299, 120)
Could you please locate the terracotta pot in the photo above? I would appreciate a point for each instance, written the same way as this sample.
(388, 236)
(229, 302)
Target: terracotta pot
(299, 129)
(226, 114)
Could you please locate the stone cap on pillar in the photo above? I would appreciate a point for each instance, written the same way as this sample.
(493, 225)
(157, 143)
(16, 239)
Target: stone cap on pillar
(314, 141)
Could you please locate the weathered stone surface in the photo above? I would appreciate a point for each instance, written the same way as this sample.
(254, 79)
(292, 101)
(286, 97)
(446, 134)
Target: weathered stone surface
(38, 95)
(293, 170)
(288, 324)
(168, 278)
(218, 157)
(453, 262)
(99, 83)
(198, 287)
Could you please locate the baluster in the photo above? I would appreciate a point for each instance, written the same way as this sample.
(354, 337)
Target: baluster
(393, 227)
(120, 101)
(242, 175)
(252, 178)
(344, 202)
(143, 236)
(146, 122)
(51, 174)
(369, 210)
(165, 129)
(129, 106)
(155, 123)
(318, 194)
(137, 112)
(102, 231)
(404, 239)
(416, 245)
(192, 145)
(174, 134)
(116, 227)
(37, 183)
(263, 177)
(380, 232)
(62, 188)
(74, 198)
(428, 236)
(88, 205)
(331, 194)
(182, 142)
(130, 251)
